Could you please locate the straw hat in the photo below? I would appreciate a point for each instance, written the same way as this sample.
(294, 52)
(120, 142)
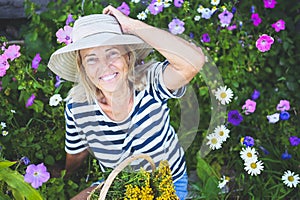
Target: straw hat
(92, 31)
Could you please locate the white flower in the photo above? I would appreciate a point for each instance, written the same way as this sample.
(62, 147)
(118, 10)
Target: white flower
(167, 3)
(290, 178)
(254, 168)
(200, 9)
(273, 118)
(248, 154)
(222, 132)
(4, 133)
(214, 141)
(3, 125)
(215, 2)
(224, 94)
(135, 1)
(197, 17)
(223, 182)
(142, 15)
(206, 13)
(12, 111)
(55, 99)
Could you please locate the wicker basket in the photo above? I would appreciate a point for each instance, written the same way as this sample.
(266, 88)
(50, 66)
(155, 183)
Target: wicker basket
(104, 186)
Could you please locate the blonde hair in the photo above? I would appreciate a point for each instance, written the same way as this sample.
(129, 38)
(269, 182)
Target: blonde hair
(85, 91)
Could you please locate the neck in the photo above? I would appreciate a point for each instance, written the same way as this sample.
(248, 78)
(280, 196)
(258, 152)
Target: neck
(114, 99)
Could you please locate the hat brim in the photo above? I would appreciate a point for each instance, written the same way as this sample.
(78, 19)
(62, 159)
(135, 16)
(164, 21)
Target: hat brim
(63, 61)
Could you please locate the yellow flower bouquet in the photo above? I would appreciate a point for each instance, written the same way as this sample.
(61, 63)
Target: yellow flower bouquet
(137, 185)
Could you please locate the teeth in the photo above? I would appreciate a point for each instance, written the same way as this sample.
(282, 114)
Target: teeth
(109, 77)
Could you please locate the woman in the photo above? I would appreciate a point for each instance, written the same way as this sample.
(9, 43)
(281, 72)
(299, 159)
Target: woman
(118, 106)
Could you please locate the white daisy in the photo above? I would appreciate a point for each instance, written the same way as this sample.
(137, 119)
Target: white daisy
(142, 15)
(4, 133)
(200, 9)
(248, 154)
(214, 141)
(215, 2)
(135, 1)
(55, 99)
(223, 182)
(167, 3)
(3, 125)
(290, 178)
(254, 167)
(273, 118)
(224, 94)
(222, 132)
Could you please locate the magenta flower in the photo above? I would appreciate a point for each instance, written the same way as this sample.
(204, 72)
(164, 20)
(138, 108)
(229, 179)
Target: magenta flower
(225, 18)
(232, 27)
(69, 19)
(30, 101)
(270, 3)
(255, 19)
(12, 52)
(124, 8)
(176, 26)
(279, 25)
(264, 43)
(155, 7)
(205, 38)
(178, 3)
(64, 35)
(249, 106)
(36, 61)
(36, 175)
(283, 105)
(4, 65)
(234, 117)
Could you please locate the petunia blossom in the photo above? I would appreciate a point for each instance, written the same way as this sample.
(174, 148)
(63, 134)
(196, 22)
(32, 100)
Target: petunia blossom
(36, 175)
(36, 61)
(273, 118)
(124, 8)
(64, 35)
(249, 106)
(4, 65)
(176, 26)
(69, 19)
(155, 8)
(283, 105)
(234, 117)
(264, 43)
(30, 101)
(279, 25)
(58, 81)
(225, 18)
(205, 38)
(270, 3)
(12, 52)
(178, 3)
(255, 19)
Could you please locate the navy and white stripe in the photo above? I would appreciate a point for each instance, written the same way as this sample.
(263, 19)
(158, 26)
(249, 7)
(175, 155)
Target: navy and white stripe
(146, 130)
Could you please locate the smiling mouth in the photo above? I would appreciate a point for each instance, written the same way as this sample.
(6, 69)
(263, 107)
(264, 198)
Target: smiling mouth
(109, 76)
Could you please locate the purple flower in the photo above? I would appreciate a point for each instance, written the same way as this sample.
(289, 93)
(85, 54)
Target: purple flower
(266, 152)
(264, 43)
(294, 140)
(225, 18)
(284, 115)
(178, 3)
(124, 8)
(249, 106)
(234, 117)
(255, 19)
(279, 25)
(232, 27)
(69, 19)
(64, 35)
(4, 65)
(205, 38)
(252, 10)
(12, 52)
(255, 95)
(191, 35)
(36, 61)
(283, 105)
(286, 155)
(25, 160)
(233, 10)
(36, 175)
(248, 141)
(30, 100)
(155, 8)
(58, 81)
(270, 3)
(176, 26)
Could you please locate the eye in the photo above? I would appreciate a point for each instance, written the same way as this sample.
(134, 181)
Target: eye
(113, 54)
(91, 60)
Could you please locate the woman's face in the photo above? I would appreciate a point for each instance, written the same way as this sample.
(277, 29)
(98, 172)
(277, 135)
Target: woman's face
(106, 67)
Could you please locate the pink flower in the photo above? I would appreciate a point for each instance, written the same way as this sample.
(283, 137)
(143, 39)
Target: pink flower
(270, 3)
(232, 27)
(124, 8)
(36, 61)
(283, 105)
(176, 26)
(36, 175)
(264, 43)
(12, 52)
(256, 19)
(225, 18)
(249, 106)
(30, 101)
(64, 35)
(155, 7)
(178, 3)
(279, 25)
(4, 65)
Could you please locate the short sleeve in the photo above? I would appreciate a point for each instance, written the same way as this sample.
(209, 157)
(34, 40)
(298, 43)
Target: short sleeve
(158, 85)
(74, 143)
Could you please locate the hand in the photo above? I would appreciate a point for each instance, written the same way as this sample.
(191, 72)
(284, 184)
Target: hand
(127, 23)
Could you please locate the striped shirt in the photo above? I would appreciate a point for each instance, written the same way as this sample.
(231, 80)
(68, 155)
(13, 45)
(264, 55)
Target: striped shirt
(146, 130)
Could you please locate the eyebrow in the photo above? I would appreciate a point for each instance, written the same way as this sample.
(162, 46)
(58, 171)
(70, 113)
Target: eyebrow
(106, 50)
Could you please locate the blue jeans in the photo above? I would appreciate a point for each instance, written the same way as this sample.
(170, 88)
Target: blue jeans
(181, 187)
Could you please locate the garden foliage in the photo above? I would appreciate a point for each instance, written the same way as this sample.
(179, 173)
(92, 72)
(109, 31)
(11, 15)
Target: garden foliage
(254, 45)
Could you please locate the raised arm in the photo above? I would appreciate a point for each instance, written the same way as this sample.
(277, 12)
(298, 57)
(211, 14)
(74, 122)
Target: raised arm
(186, 59)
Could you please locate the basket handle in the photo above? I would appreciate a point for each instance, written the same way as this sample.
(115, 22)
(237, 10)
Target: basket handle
(119, 168)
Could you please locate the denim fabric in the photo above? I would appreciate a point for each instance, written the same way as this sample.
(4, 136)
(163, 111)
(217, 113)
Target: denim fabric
(181, 187)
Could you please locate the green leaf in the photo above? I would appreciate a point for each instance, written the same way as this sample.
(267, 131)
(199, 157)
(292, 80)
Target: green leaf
(6, 164)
